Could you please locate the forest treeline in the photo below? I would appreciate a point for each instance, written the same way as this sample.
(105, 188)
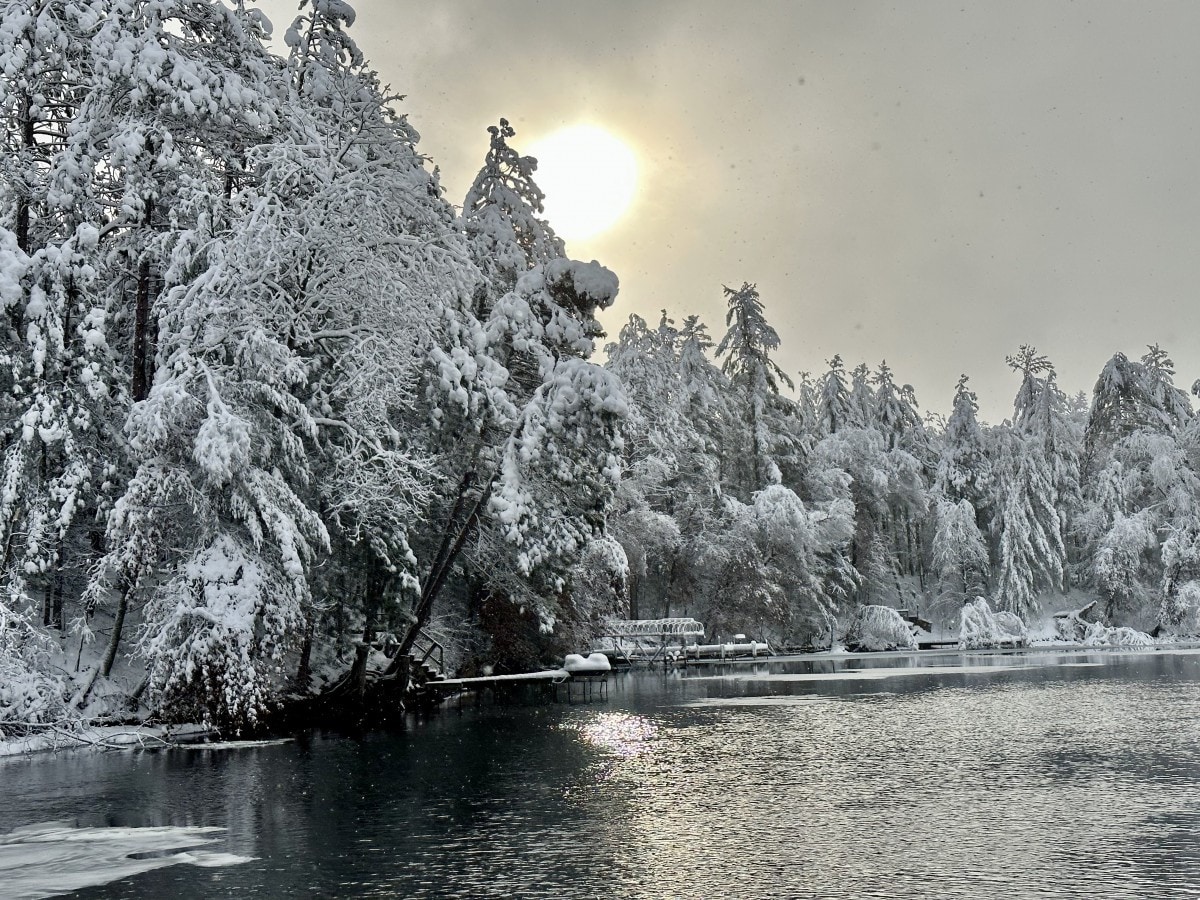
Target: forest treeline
(272, 405)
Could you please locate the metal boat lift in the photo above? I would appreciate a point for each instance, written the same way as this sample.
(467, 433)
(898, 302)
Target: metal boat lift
(650, 640)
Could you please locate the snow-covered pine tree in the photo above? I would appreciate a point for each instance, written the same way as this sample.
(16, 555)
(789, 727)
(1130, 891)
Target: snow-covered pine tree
(1130, 395)
(960, 555)
(669, 494)
(874, 482)
(132, 110)
(47, 65)
(963, 482)
(526, 428)
(645, 361)
(1179, 608)
(1035, 370)
(1141, 482)
(964, 469)
(1040, 412)
(746, 350)
(705, 394)
(180, 88)
(1172, 404)
(56, 399)
(895, 416)
(368, 312)
(862, 395)
(503, 216)
(834, 408)
(287, 366)
(807, 417)
(710, 408)
(1031, 555)
(560, 463)
(867, 433)
(55, 380)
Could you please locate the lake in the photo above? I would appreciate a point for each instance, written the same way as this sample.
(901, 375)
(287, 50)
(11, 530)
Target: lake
(923, 775)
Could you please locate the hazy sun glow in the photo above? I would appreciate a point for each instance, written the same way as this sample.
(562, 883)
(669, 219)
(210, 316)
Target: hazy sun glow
(589, 177)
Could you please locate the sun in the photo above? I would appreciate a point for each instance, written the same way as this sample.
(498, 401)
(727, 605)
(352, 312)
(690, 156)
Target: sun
(589, 177)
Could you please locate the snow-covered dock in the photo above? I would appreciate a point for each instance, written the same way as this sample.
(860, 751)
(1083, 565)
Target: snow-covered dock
(591, 683)
(553, 676)
(728, 650)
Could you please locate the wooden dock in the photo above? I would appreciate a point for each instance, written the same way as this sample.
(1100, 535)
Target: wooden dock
(936, 643)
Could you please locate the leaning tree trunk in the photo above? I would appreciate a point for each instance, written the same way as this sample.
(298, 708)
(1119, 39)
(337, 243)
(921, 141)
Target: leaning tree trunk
(114, 643)
(464, 517)
(114, 639)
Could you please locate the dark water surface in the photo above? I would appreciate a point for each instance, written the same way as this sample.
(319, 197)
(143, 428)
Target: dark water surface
(1027, 775)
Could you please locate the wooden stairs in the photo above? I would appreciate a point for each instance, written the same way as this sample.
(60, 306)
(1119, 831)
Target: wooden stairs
(427, 667)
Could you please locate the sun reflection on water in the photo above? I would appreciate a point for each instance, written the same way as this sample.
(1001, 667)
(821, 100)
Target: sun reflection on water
(618, 733)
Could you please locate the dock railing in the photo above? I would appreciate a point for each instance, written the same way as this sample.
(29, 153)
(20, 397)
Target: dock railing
(428, 651)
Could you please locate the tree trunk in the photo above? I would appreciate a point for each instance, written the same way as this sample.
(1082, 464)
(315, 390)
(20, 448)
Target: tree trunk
(304, 667)
(454, 538)
(114, 639)
(756, 461)
(24, 204)
(670, 584)
(143, 336)
(110, 652)
(56, 589)
(373, 591)
(140, 386)
(477, 593)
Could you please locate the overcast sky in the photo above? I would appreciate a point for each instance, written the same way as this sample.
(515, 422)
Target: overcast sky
(928, 183)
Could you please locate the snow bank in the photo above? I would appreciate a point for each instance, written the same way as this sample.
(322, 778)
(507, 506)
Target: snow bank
(53, 858)
(71, 736)
(1084, 626)
(1099, 635)
(879, 628)
(980, 628)
(1073, 625)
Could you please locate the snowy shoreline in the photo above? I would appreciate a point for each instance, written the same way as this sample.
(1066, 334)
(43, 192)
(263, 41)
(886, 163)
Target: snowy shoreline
(54, 739)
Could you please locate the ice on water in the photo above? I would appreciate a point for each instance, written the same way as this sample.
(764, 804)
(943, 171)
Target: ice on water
(53, 858)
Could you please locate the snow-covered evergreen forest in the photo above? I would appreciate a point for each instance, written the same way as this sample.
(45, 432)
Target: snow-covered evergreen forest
(274, 405)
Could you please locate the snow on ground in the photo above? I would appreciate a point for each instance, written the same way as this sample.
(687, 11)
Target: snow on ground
(125, 737)
(53, 858)
(110, 738)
